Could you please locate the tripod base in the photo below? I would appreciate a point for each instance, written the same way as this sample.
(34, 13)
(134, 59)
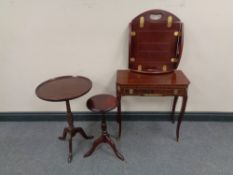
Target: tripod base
(104, 138)
(72, 132)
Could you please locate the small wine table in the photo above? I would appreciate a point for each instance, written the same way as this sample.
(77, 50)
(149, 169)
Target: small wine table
(64, 89)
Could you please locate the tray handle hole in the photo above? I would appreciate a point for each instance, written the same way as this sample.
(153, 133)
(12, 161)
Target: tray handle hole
(155, 17)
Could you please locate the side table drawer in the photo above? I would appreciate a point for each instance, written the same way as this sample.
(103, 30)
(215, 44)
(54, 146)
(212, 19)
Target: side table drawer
(151, 91)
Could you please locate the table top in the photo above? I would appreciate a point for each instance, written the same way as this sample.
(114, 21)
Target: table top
(175, 78)
(101, 103)
(63, 88)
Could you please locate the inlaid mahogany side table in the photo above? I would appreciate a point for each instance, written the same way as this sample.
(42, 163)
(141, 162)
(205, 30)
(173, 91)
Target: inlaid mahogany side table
(66, 88)
(174, 84)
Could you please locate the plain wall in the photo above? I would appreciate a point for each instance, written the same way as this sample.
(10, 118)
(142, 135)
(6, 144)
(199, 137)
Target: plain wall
(42, 39)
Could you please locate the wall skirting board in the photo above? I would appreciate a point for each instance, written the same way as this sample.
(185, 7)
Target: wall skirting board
(127, 116)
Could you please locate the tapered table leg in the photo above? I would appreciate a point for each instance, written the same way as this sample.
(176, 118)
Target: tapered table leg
(173, 109)
(64, 134)
(82, 133)
(113, 146)
(104, 139)
(184, 101)
(119, 115)
(70, 149)
(95, 144)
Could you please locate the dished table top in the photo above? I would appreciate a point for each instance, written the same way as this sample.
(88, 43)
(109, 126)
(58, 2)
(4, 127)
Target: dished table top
(63, 88)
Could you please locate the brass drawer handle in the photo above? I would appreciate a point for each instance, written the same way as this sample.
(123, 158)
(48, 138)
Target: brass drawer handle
(175, 91)
(131, 91)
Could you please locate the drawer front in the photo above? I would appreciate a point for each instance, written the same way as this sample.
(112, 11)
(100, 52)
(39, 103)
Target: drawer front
(151, 91)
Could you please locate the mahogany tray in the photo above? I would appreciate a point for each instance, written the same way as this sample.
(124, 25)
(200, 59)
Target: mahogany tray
(155, 42)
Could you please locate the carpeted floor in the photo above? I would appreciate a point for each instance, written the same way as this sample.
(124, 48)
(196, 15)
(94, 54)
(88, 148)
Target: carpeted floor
(32, 148)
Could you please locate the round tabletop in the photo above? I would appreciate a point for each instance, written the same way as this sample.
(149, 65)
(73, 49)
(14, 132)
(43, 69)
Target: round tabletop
(101, 103)
(63, 88)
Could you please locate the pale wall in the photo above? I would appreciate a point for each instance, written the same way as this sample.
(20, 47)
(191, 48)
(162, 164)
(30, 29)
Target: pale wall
(41, 39)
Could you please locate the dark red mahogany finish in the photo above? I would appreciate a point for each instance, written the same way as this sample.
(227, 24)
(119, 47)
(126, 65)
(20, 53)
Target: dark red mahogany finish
(155, 42)
(175, 84)
(103, 103)
(155, 48)
(64, 89)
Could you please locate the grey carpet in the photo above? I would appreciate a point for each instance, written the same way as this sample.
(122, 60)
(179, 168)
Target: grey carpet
(32, 148)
